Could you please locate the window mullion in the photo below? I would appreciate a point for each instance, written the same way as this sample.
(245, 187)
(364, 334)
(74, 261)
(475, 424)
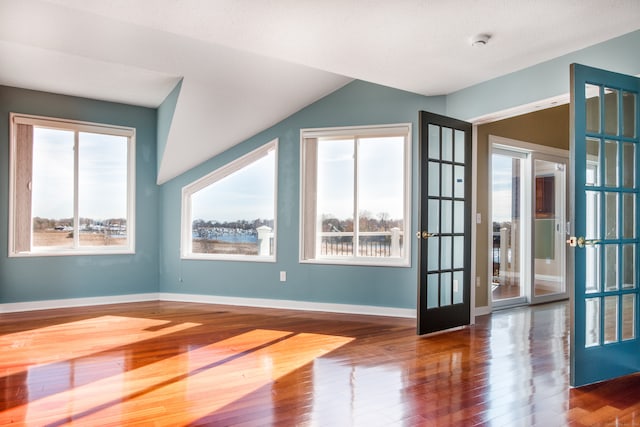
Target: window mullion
(356, 219)
(76, 187)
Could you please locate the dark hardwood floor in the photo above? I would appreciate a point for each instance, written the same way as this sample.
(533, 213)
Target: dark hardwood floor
(165, 363)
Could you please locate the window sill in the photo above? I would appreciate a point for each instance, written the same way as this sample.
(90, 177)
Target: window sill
(74, 252)
(359, 262)
(220, 257)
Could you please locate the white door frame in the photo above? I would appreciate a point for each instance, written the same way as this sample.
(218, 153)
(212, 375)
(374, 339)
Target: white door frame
(530, 150)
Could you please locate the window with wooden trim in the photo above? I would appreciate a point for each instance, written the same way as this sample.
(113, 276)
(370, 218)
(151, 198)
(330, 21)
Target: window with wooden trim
(230, 214)
(72, 187)
(356, 195)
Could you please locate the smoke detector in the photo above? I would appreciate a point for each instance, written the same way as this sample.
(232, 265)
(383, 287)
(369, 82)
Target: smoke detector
(480, 40)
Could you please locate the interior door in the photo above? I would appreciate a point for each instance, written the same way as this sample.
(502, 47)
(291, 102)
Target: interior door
(605, 185)
(445, 229)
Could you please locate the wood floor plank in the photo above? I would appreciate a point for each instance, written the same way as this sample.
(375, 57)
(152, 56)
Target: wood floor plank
(169, 363)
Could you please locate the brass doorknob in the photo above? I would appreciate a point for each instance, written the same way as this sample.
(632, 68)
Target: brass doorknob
(424, 234)
(581, 242)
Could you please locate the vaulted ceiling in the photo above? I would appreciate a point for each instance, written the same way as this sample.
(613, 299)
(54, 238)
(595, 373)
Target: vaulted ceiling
(246, 64)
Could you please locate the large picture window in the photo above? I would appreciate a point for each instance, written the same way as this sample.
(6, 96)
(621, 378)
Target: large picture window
(72, 187)
(230, 213)
(355, 195)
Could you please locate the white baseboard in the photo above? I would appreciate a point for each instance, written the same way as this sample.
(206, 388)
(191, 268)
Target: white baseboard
(209, 299)
(368, 310)
(481, 311)
(75, 302)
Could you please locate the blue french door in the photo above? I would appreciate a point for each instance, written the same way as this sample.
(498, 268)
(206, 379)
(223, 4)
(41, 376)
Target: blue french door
(605, 153)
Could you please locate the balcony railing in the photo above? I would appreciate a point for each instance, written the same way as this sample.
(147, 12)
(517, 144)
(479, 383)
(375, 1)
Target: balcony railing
(371, 243)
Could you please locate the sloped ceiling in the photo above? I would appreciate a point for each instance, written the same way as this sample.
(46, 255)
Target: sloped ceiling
(245, 64)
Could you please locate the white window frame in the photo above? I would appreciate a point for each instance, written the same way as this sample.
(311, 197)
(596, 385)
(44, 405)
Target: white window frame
(213, 177)
(308, 225)
(76, 127)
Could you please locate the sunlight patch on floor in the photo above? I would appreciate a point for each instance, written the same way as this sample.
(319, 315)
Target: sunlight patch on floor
(195, 383)
(37, 347)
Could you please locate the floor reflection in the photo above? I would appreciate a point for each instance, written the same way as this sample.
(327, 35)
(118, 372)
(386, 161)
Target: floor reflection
(189, 364)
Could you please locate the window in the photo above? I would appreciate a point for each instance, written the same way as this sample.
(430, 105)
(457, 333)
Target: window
(356, 195)
(72, 187)
(230, 213)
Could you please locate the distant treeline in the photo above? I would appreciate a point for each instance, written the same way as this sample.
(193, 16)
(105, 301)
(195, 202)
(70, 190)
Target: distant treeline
(240, 224)
(41, 224)
(367, 222)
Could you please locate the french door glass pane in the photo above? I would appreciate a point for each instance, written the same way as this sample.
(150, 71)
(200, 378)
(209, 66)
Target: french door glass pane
(629, 125)
(592, 215)
(434, 142)
(610, 319)
(628, 215)
(592, 99)
(610, 163)
(432, 290)
(433, 222)
(447, 180)
(628, 316)
(447, 216)
(458, 252)
(592, 276)
(611, 111)
(434, 179)
(447, 144)
(458, 185)
(445, 253)
(458, 217)
(593, 162)
(433, 255)
(628, 266)
(445, 289)
(458, 290)
(628, 164)
(611, 215)
(459, 146)
(592, 322)
(611, 267)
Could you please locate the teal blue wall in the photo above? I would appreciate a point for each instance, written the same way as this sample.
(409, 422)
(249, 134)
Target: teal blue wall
(545, 80)
(156, 266)
(358, 103)
(165, 118)
(44, 278)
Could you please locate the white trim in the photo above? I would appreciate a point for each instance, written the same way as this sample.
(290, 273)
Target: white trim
(367, 310)
(79, 125)
(528, 152)
(474, 206)
(394, 130)
(522, 109)
(76, 126)
(357, 131)
(525, 147)
(231, 167)
(213, 177)
(75, 302)
(482, 311)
